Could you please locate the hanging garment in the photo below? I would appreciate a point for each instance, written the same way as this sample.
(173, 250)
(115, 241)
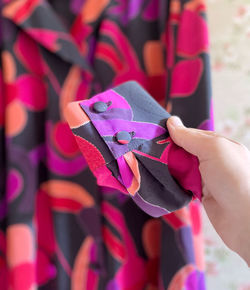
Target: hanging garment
(58, 228)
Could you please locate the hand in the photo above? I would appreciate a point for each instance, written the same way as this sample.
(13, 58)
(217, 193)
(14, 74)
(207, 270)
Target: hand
(225, 172)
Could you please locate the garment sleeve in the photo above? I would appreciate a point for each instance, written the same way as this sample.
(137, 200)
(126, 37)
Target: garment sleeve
(123, 136)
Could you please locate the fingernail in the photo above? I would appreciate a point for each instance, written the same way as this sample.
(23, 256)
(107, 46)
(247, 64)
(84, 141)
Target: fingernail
(175, 121)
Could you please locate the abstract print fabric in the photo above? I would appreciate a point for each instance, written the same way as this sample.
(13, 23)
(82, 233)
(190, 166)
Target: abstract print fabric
(58, 228)
(123, 137)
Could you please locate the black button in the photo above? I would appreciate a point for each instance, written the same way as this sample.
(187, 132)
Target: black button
(123, 137)
(100, 107)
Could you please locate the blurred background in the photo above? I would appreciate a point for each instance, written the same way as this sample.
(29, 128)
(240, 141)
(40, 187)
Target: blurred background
(229, 22)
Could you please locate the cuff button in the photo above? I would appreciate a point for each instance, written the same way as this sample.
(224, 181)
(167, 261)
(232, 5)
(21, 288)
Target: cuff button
(123, 137)
(100, 107)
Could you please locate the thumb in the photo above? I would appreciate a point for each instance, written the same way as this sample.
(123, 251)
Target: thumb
(196, 142)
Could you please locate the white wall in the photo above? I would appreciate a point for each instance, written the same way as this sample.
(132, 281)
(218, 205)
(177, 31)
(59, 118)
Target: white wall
(229, 22)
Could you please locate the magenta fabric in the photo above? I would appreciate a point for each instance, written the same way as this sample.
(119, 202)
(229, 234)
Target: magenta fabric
(61, 227)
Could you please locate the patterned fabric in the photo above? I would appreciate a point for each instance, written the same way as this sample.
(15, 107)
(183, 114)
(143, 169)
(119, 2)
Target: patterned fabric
(142, 163)
(58, 229)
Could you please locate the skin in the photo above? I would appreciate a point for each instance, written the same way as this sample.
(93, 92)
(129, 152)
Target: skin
(225, 172)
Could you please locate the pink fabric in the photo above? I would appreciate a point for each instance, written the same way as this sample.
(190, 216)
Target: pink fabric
(186, 77)
(188, 43)
(184, 167)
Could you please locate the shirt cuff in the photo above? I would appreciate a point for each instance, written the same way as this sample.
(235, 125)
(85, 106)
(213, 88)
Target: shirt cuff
(123, 136)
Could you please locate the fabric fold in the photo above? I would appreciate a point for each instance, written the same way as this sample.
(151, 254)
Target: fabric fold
(40, 22)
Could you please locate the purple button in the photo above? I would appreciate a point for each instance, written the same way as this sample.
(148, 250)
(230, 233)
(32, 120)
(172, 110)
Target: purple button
(123, 137)
(100, 107)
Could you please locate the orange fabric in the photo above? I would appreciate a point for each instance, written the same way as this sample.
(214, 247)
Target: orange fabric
(75, 115)
(67, 189)
(16, 117)
(133, 164)
(92, 9)
(153, 58)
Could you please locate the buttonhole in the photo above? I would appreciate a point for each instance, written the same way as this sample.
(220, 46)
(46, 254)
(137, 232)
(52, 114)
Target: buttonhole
(132, 133)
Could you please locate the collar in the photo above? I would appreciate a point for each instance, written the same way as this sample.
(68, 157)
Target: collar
(38, 19)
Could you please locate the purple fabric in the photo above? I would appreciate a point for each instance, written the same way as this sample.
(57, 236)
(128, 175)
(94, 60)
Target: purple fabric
(185, 241)
(21, 160)
(146, 131)
(150, 209)
(75, 5)
(125, 171)
(117, 101)
(115, 113)
(195, 280)
(117, 149)
(127, 9)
